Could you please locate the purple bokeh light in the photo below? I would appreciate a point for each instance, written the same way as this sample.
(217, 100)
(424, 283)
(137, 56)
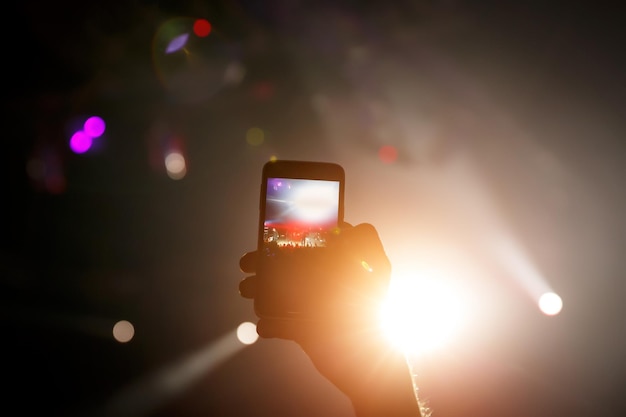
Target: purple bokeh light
(80, 142)
(177, 43)
(94, 126)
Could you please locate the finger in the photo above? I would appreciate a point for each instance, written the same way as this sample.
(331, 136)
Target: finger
(363, 240)
(283, 329)
(268, 328)
(247, 263)
(247, 287)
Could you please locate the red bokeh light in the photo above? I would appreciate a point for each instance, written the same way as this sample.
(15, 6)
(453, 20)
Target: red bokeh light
(263, 90)
(388, 154)
(201, 28)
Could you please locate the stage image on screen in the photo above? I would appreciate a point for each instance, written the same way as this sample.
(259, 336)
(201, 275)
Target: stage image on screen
(300, 213)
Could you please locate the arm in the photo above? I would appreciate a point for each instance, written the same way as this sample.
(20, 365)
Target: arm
(357, 360)
(349, 349)
(387, 389)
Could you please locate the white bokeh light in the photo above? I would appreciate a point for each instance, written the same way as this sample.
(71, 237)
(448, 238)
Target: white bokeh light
(550, 304)
(175, 165)
(246, 333)
(123, 331)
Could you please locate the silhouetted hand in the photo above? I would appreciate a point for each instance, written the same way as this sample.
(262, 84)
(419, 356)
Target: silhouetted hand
(345, 343)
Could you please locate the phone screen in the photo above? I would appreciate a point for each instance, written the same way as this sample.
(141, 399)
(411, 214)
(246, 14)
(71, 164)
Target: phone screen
(300, 213)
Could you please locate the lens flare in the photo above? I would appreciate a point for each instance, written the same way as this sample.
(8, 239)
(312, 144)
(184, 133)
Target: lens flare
(190, 64)
(177, 43)
(366, 266)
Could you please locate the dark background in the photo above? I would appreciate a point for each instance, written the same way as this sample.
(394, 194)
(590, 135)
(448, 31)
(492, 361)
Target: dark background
(533, 95)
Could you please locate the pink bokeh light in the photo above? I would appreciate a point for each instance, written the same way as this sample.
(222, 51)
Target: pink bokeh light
(80, 142)
(94, 126)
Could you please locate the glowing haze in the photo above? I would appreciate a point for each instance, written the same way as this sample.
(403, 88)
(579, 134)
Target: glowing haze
(422, 311)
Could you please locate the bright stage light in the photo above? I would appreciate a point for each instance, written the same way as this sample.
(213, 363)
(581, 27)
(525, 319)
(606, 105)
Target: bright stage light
(550, 304)
(422, 311)
(246, 333)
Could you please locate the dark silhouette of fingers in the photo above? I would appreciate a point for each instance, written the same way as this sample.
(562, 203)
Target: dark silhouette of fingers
(282, 329)
(363, 241)
(247, 287)
(247, 262)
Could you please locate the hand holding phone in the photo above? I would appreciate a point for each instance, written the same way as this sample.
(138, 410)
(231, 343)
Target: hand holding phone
(319, 282)
(342, 337)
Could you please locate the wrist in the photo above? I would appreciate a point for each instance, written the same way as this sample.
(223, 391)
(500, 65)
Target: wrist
(376, 378)
(387, 389)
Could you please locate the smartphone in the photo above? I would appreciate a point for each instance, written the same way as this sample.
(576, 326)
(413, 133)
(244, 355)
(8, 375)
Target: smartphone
(301, 207)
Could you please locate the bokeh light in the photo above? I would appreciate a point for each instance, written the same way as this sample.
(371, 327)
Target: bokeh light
(246, 333)
(177, 43)
(45, 169)
(255, 136)
(175, 165)
(263, 90)
(199, 73)
(550, 304)
(123, 331)
(388, 154)
(36, 169)
(234, 73)
(94, 126)
(202, 28)
(80, 142)
(82, 139)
